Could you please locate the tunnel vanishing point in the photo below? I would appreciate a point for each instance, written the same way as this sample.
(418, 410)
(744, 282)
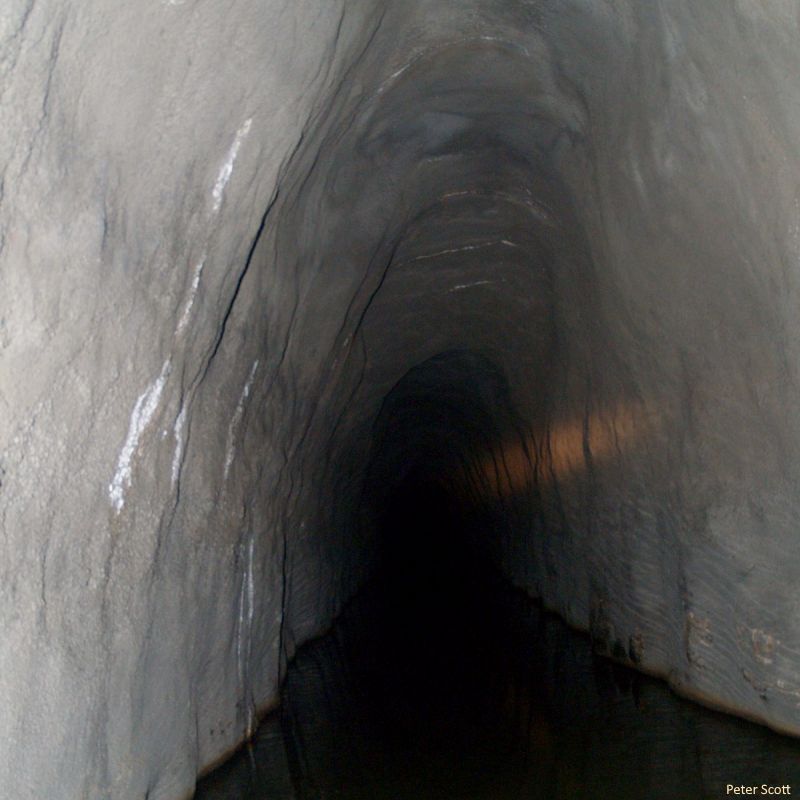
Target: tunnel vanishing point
(262, 261)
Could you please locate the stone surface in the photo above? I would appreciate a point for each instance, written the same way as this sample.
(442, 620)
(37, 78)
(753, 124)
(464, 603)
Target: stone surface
(228, 230)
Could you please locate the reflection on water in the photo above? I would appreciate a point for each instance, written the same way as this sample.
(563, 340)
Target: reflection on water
(501, 701)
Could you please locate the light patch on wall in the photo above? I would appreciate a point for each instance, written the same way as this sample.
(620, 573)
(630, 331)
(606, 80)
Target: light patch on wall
(141, 416)
(562, 449)
(226, 170)
(786, 688)
(761, 643)
(236, 419)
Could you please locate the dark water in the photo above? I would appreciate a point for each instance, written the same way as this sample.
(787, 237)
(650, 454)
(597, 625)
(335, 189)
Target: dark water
(440, 683)
(514, 706)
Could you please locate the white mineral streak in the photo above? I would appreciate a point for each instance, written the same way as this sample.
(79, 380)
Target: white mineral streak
(236, 419)
(176, 457)
(244, 638)
(458, 287)
(198, 271)
(142, 414)
(395, 75)
(227, 168)
(465, 249)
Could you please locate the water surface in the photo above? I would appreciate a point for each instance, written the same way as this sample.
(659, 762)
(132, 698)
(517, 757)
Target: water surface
(485, 697)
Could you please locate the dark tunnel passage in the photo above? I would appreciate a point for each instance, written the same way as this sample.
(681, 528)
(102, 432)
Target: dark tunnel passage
(404, 394)
(440, 680)
(438, 521)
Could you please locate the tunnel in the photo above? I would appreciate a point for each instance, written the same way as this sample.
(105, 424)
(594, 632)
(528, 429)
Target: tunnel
(465, 329)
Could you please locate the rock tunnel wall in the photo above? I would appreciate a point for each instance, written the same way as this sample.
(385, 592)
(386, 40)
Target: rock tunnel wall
(228, 232)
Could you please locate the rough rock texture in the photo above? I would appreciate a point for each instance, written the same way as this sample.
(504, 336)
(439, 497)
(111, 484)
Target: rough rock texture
(228, 230)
